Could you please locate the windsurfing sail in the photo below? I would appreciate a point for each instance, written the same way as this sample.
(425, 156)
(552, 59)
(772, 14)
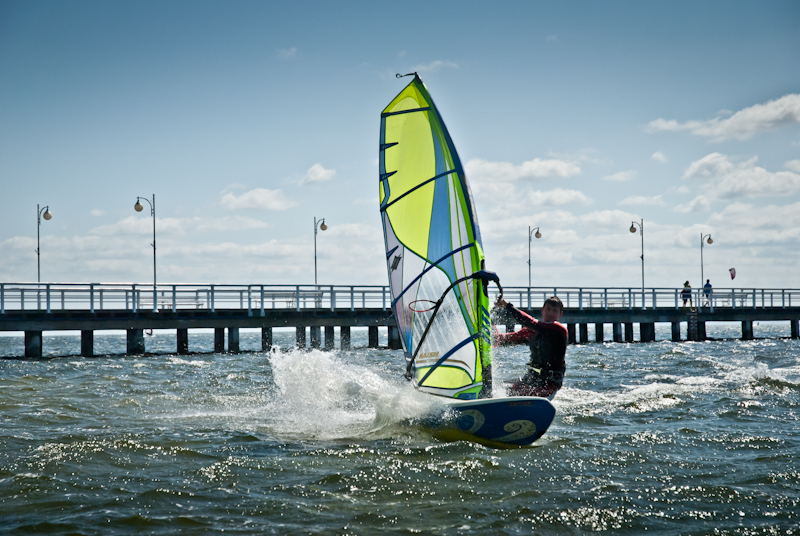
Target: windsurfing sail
(433, 250)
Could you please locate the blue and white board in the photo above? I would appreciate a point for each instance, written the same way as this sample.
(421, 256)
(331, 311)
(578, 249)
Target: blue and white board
(509, 421)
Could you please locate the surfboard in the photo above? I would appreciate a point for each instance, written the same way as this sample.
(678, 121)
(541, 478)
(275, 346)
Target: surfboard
(496, 422)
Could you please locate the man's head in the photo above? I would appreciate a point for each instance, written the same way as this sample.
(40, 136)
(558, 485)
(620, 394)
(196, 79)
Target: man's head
(552, 309)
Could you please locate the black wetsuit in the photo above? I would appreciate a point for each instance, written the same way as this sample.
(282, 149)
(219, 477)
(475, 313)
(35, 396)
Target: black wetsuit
(548, 344)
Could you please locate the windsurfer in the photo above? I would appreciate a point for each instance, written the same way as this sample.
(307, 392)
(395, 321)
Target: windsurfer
(548, 343)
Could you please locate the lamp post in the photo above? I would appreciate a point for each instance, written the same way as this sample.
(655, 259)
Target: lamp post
(707, 239)
(46, 214)
(641, 232)
(530, 235)
(138, 208)
(322, 227)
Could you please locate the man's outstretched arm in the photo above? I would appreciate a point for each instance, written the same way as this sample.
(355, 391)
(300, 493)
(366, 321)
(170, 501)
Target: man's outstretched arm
(521, 317)
(515, 337)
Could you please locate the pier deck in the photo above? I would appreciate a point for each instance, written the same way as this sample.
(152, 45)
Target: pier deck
(35, 308)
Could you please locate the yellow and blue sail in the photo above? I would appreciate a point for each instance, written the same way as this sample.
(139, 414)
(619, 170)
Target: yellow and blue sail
(432, 239)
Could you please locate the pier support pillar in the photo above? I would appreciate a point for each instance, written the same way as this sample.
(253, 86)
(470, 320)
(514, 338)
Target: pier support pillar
(233, 340)
(584, 331)
(701, 330)
(372, 332)
(571, 333)
(676, 332)
(394, 338)
(616, 328)
(33, 344)
(316, 337)
(795, 328)
(329, 335)
(692, 333)
(87, 343)
(647, 331)
(747, 330)
(219, 340)
(344, 337)
(135, 342)
(300, 338)
(266, 339)
(598, 332)
(182, 340)
(628, 331)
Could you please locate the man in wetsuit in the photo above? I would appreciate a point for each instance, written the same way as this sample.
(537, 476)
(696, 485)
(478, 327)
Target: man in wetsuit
(548, 343)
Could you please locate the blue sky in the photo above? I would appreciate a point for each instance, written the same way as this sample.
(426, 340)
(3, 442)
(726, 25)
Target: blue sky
(248, 119)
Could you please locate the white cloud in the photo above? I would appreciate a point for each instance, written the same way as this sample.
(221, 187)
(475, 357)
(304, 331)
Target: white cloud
(97, 212)
(710, 166)
(536, 198)
(287, 53)
(317, 173)
(552, 38)
(742, 125)
(401, 54)
(435, 66)
(759, 225)
(482, 170)
(233, 187)
(258, 198)
(511, 227)
(660, 157)
(609, 219)
(793, 165)
(138, 225)
(558, 196)
(727, 179)
(698, 204)
(504, 198)
(343, 250)
(642, 200)
(622, 176)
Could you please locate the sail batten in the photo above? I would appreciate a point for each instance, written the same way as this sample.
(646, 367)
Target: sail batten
(412, 190)
(433, 245)
(430, 267)
(387, 114)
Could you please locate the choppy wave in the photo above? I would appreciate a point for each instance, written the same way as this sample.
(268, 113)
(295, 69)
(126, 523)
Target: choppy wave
(671, 438)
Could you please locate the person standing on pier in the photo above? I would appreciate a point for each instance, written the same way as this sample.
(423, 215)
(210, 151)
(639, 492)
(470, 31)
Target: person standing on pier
(686, 294)
(547, 340)
(707, 291)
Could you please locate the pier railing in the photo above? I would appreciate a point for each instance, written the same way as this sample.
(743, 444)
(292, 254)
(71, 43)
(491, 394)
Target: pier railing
(131, 297)
(53, 297)
(655, 298)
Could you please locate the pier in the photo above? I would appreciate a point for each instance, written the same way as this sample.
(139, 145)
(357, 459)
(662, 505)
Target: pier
(317, 311)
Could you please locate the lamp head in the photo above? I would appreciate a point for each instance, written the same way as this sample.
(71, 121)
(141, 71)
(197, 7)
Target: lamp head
(633, 228)
(47, 214)
(138, 206)
(323, 226)
(709, 240)
(538, 234)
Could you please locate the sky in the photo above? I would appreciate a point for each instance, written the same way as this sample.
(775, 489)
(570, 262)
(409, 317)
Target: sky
(247, 120)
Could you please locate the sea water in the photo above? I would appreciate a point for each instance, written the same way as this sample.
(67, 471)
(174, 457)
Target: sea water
(663, 438)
